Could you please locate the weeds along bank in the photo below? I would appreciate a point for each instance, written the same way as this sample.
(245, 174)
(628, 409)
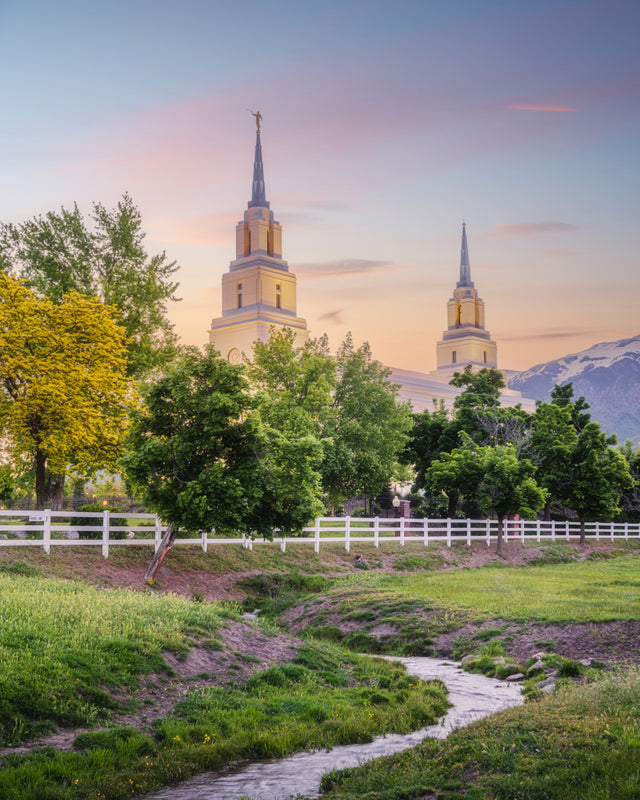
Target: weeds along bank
(85, 672)
(79, 667)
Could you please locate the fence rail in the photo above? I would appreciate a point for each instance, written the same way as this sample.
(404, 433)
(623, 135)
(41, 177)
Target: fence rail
(107, 529)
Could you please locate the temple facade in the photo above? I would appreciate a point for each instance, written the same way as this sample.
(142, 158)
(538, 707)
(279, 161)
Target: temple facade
(466, 340)
(258, 292)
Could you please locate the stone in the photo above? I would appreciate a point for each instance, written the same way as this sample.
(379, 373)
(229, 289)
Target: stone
(517, 677)
(549, 688)
(535, 667)
(499, 660)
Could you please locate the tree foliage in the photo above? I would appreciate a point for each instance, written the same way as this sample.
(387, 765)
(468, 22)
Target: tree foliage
(204, 458)
(508, 486)
(595, 476)
(60, 252)
(64, 396)
(365, 428)
(455, 474)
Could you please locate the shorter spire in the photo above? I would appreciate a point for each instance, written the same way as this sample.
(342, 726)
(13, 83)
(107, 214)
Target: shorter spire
(465, 269)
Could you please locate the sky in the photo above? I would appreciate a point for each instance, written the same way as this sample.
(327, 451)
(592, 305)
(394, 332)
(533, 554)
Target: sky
(385, 125)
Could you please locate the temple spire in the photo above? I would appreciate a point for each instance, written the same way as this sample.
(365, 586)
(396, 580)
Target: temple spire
(465, 269)
(258, 195)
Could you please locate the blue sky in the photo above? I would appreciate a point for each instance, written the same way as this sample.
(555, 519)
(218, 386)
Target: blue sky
(385, 124)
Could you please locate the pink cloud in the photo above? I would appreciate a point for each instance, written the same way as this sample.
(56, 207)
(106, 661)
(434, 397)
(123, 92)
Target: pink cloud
(541, 108)
(531, 229)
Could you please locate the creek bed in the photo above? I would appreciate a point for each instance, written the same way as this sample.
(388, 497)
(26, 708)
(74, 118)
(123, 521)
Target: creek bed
(473, 697)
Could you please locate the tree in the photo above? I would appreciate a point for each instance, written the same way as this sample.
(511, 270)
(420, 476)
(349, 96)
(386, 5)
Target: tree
(630, 500)
(203, 457)
(433, 434)
(595, 477)
(365, 428)
(549, 448)
(64, 396)
(456, 474)
(59, 253)
(562, 396)
(297, 382)
(507, 486)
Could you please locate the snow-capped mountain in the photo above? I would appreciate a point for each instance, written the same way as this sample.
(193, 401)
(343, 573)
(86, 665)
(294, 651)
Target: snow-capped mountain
(607, 375)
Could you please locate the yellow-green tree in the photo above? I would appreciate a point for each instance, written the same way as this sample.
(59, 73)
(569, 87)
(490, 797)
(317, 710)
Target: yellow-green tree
(64, 395)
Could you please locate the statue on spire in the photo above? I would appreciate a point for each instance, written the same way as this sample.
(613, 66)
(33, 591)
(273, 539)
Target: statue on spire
(258, 117)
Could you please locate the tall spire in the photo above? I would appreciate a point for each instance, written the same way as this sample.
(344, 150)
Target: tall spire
(258, 196)
(465, 269)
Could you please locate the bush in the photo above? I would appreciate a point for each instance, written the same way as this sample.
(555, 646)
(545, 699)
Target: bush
(96, 522)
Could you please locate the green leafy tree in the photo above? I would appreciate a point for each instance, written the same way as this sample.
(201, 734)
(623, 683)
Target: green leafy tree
(297, 382)
(508, 487)
(630, 500)
(455, 474)
(433, 433)
(562, 396)
(365, 429)
(595, 478)
(60, 252)
(552, 440)
(204, 458)
(64, 395)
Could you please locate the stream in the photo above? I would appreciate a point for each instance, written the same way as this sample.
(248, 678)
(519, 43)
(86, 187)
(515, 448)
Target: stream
(472, 696)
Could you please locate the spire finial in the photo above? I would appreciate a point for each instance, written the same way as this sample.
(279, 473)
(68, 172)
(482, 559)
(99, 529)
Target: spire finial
(258, 194)
(465, 269)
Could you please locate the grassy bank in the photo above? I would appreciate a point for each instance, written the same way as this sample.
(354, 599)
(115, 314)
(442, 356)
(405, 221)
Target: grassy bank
(73, 656)
(583, 743)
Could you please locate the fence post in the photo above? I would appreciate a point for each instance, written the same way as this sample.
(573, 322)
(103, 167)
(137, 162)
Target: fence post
(488, 532)
(538, 531)
(597, 531)
(105, 533)
(402, 531)
(157, 534)
(347, 533)
(316, 536)
(283, 544)
(376, 532)
(448, 532)
(566, 528)
(425, 523)
(522, 531)
(204, 541)
(611, 531)
(46, 531)
(626, 530)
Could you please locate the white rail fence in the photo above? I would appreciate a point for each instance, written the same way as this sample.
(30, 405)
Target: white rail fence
(107, 529)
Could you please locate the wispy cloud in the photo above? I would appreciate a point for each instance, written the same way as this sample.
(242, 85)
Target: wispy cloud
(344, 266)
(548, 335)
(334, 317)
(532, 229)
(533, 107)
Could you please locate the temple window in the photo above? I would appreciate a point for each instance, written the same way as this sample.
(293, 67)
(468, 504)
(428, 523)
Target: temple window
(239, 295)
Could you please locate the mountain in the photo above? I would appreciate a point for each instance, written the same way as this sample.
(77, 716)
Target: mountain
(607, 375)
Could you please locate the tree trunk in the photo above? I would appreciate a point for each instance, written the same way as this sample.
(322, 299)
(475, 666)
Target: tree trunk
(500, 534)
(547, 511)
(55, 491)
(156, 562)
(452, 505)
(583, 532)
(41, 479)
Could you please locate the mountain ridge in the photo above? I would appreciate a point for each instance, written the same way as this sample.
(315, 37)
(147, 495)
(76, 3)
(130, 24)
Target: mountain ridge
(606, 374)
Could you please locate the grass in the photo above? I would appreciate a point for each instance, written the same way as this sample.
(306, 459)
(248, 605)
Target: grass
(583, 743)
(588, 591)
(64, 646)
(68, 650)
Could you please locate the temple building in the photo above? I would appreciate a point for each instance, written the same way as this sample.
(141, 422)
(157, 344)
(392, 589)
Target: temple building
(258, 291)
(466, 341)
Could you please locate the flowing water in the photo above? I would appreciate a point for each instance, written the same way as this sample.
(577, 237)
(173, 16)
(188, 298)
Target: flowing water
(473, 697)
